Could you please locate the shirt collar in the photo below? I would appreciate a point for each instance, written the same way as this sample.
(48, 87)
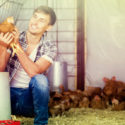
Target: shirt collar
(25, 42)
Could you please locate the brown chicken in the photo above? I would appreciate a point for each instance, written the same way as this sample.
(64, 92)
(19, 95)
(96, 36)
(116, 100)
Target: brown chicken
(114, 91)
(8, 26)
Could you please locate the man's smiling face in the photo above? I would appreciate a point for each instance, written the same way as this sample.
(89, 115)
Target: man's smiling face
(39, 23)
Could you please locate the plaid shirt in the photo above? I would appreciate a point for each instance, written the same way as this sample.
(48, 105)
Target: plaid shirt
(46, 49)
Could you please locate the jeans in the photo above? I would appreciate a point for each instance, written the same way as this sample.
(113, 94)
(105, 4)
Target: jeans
(32, 100)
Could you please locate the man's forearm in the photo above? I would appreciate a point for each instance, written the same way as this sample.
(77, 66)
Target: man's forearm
(29, 66)
(32, 68)
(4, 56)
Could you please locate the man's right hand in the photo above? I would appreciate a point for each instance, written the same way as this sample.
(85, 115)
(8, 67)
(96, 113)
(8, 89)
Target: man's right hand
(5, 39)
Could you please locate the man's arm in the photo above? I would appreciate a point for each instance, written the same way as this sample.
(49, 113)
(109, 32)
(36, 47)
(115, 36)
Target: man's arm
(32, 68)
(4, 55)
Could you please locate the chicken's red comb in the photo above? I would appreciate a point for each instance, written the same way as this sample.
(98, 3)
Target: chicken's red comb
(105, 79)
(113, 78)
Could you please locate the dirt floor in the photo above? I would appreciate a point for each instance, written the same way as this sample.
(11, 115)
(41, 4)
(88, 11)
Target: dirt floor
(82, 116)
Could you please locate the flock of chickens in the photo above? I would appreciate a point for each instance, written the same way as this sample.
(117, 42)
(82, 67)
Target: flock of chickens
(112, 95)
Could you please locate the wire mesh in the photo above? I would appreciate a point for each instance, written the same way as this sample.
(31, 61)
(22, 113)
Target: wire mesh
(10, 8)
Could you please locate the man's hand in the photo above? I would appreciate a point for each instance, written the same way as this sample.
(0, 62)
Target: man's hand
(15, 45)
(16, 35)
(6, 39)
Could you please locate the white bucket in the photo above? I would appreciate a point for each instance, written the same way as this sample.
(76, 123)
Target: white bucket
(5, 109)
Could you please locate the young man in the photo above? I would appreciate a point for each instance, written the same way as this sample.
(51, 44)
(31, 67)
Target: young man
(29, 87)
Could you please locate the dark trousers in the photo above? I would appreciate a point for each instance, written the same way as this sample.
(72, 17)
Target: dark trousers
(32, 100)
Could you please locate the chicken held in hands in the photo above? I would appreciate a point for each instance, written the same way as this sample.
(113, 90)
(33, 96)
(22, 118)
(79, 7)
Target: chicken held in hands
(7, 26)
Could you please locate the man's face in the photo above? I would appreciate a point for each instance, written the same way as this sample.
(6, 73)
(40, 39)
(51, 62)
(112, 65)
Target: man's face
(39, 23)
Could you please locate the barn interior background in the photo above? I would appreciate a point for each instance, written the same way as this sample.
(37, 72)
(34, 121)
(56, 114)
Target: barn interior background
(89, 36)
(64, 32)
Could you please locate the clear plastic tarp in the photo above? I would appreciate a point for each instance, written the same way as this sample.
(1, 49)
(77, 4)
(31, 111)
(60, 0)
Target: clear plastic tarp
(105, 41)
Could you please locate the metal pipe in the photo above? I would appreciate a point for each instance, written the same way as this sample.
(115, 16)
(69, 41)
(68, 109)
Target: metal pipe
(57, 76)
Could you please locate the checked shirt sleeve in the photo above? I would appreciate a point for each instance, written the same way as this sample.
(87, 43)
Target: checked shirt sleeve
(50, 51)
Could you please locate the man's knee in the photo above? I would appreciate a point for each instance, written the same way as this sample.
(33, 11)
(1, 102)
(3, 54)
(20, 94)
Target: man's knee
(40, 81)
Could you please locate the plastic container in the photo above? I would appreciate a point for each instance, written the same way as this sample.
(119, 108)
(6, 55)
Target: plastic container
(5, 109)
(9, 122)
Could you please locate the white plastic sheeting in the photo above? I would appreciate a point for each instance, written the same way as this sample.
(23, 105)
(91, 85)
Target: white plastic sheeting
(105, 41)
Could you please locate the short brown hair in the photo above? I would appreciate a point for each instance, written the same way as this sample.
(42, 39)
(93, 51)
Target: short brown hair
(49, 11)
